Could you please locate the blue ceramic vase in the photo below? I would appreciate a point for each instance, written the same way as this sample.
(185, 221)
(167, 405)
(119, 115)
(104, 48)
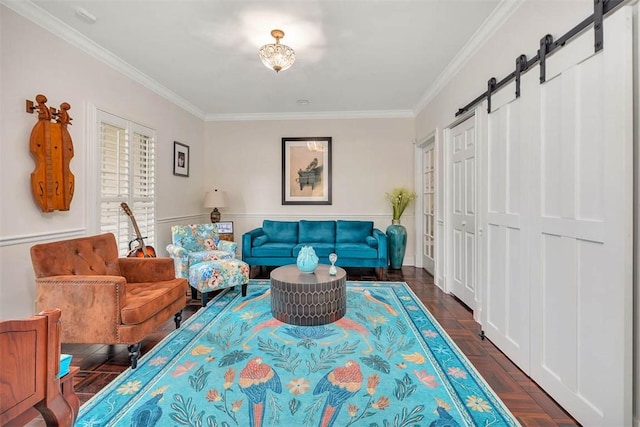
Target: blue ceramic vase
(397, 235)
(307, 261)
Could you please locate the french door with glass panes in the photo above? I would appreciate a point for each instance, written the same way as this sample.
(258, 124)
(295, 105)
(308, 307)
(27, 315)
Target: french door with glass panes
(428, 210)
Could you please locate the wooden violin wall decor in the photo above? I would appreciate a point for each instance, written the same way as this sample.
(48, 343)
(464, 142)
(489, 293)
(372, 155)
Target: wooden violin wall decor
(52, 183)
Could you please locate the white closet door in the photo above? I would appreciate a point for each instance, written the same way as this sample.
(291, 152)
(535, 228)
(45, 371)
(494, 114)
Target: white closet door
(462, 254)
(581, 252)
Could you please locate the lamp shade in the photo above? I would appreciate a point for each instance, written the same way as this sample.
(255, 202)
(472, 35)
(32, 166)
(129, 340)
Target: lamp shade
(215, 199)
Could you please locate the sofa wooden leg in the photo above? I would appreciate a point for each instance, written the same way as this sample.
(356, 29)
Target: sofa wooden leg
(134, 354)
(252, 271)
(380, 273)
(178, 318)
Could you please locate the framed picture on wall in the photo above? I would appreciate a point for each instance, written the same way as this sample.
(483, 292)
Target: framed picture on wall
(180, 159)
(306, 171)
(225, 227)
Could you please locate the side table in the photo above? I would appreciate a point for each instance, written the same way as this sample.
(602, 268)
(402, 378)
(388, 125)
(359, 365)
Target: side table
(308, 299)
(226, 236)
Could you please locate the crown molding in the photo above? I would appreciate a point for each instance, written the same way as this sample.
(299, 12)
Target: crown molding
(42, 18)
(498, 17)
(327, 115)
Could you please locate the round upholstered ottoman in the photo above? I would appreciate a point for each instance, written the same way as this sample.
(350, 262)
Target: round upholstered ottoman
(218, 274)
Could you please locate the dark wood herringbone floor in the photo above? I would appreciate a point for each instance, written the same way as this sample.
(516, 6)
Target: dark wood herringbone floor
(101, 364)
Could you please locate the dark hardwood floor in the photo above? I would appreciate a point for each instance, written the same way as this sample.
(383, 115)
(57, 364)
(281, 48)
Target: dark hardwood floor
(101, 364)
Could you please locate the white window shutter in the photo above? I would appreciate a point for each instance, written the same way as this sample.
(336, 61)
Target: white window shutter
(127, 174)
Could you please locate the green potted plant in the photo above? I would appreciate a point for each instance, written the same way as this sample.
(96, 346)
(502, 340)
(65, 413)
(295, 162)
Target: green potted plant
(399, 198)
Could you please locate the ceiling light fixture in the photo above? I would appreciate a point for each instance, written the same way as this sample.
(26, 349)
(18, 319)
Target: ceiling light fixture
(276, 56)
(85, 15)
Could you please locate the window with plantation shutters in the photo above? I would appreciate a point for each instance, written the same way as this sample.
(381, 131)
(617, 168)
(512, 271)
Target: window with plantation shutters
(126, 174)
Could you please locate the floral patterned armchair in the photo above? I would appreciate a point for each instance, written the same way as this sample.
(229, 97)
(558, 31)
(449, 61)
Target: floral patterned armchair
(196, 243)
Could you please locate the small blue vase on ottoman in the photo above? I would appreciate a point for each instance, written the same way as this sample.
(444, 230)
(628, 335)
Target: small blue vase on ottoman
(307, 260)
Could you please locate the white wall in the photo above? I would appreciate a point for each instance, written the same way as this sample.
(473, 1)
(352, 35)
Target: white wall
(32, 62)
(370, 157)
(521, 35)
(636, 206)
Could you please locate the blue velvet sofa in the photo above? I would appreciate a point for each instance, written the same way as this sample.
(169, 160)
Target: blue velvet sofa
(357, 243)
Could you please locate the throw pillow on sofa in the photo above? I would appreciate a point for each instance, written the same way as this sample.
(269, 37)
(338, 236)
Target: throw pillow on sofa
(372, 242)
(260, 240)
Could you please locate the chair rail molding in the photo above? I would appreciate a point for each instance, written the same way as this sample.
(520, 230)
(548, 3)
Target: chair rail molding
(41, 237)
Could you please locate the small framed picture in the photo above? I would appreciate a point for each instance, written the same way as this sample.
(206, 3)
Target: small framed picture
(225, 227)
(180, 159)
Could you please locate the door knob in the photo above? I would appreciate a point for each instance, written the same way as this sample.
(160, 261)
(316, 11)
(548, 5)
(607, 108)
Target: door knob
(464, 223)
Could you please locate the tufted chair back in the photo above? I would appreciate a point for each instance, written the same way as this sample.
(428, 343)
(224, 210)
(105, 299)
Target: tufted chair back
(196, 237)
(95, 255)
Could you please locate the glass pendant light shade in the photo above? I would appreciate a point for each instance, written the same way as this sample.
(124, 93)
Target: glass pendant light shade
(277, 56)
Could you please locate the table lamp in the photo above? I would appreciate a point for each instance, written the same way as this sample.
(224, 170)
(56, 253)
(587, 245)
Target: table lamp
(215, 199)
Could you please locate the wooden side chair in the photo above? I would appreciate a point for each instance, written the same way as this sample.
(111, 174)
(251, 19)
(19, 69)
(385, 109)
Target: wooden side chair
(30, 355)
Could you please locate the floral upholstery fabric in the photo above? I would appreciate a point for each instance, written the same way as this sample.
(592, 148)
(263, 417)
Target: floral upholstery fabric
(196, 243)
(218, 274)
(202, 256)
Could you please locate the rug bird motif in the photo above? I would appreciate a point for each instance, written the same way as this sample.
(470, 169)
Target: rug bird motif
(386, 363)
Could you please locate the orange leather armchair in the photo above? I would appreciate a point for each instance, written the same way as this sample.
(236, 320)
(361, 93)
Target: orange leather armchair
(106, 299)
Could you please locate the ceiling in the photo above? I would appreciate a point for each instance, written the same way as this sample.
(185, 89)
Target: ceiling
(359, 57)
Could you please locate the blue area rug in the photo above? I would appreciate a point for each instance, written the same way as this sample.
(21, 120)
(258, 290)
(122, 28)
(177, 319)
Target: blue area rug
(386, 363)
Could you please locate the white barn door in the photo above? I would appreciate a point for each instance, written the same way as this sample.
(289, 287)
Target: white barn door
(506, 183)
(581, 248)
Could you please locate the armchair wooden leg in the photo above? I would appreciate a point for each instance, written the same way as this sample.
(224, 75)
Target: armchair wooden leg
(57, 412)
(194, 293)
(244, 289)
(134, 354)
(178, 318)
